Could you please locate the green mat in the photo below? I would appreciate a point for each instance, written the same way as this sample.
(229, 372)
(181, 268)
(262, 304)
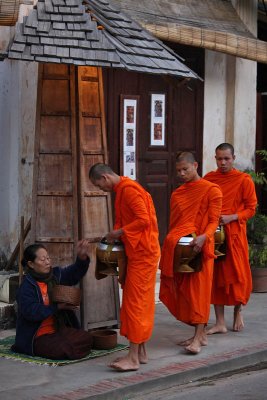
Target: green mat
(5, 345)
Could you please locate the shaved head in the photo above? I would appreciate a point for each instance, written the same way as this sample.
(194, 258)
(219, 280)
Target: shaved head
(225, 146)
(185, 156)
(98, 170)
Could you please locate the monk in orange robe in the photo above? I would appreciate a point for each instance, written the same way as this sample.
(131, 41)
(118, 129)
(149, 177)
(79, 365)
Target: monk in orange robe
(195, 207)
(136, 225)
(232, 283)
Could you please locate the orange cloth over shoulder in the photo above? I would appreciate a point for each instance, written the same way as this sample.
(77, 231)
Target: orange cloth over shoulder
(135, 213)
(195, 207)
(232, 282)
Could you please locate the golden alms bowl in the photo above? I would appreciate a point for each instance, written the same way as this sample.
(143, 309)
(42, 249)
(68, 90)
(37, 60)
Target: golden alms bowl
(109, 254)
(183, 254)
(219, 240)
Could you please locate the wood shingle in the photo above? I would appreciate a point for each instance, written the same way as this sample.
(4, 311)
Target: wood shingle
(91, 33)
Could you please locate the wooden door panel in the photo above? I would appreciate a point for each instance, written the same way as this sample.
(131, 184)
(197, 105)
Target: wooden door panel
(100, 297)
(100, 307)
(86, 162)
(56, 218)
(49, 142)
(153, 168)
(89, 99)
(95, 220)
(55, 173)
(58, 70)
(60, 253)
(55, 97)
(160, 195)
(185, 137)
(91, 134)
(89, 73)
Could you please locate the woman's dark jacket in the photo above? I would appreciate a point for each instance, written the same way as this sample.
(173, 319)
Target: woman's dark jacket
(31, 308)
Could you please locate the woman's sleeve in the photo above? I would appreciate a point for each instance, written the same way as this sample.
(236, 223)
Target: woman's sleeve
(72, 274)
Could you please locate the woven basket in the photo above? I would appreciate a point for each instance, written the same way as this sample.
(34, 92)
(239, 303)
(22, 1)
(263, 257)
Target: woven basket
(66, 294)
(104, 339)
(9, 11)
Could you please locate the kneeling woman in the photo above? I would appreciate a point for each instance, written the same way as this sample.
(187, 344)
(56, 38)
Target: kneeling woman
(43, 328)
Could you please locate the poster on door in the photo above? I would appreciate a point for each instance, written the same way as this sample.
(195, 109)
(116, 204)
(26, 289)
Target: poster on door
(157, 130)
(129, 137)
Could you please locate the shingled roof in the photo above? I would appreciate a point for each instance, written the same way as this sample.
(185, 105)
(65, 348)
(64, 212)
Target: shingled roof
(96, 34)
(137, 48)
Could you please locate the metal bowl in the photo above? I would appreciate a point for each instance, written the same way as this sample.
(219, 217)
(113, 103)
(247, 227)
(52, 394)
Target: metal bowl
(116, 246)
(185, 240)
(109, 253)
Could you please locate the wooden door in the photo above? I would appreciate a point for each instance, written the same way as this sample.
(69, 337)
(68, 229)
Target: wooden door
(55, 211)
(184, 116)
(70, 137)
(101, 299)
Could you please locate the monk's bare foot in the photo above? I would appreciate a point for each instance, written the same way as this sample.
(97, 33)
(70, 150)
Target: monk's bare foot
(238, 324)
(186, 342)
(193, 348)
(217, 329)
(116, 360)
(203, 342)
(142, 355)
(142, 359)
(125, 364)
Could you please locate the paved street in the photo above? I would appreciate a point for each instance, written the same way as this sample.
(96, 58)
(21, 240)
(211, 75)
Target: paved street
(250, 385)
(168, 365)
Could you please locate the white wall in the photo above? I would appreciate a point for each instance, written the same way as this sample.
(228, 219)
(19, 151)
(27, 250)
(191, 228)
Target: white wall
(230, 99)
(245, 115)
(18, 90)
(214, 106)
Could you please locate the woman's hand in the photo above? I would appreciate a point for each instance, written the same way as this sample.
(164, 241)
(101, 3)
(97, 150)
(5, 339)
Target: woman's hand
(83, 249)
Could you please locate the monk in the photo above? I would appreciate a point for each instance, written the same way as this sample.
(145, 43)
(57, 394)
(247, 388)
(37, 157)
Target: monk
(232, 283)
(136, 226)
(195, 208)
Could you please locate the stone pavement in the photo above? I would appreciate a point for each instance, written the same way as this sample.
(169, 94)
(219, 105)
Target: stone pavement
(168, 365)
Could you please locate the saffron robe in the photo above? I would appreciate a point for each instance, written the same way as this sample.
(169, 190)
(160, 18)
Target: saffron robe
(195, 207)
(232, 283)
(135, 214)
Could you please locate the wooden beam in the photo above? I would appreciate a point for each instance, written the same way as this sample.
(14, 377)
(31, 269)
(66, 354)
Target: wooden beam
(15, 253)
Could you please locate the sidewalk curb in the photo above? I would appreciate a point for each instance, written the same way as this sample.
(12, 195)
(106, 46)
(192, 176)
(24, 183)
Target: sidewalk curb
(125, 386)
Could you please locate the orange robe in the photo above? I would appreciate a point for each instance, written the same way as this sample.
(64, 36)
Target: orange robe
(135, 214)
(232, 282)
(195, 207)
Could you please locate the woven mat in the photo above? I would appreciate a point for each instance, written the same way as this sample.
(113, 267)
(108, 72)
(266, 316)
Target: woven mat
(5, 352)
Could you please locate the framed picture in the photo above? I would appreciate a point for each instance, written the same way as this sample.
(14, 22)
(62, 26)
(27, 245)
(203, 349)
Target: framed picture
(129, 116)
(157, 130)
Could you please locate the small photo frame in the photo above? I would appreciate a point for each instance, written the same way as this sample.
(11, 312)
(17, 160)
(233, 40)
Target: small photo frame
(129, 135)
(157, 130)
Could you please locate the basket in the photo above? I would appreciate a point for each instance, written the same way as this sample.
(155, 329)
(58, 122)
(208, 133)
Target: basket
(104, 339)
(66, 294)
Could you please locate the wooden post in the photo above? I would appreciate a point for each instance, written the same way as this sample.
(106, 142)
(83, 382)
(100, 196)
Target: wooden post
(16, 250)
(21, 241)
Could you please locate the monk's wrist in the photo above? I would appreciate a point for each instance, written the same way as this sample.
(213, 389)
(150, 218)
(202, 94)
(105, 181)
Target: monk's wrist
(235, 217)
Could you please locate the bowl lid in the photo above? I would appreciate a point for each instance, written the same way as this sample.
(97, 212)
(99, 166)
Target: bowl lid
(185, 240)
